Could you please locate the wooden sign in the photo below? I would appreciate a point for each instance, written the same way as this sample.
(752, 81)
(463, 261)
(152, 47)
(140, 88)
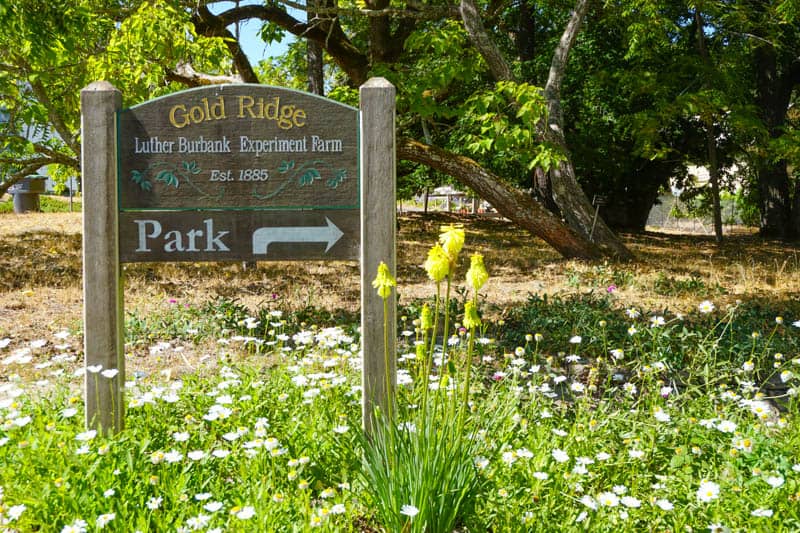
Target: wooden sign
(238, 235)
(234, 172)
(238, 147)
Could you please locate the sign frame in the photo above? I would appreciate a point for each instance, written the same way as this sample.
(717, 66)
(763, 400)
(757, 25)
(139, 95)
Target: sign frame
(104, 250)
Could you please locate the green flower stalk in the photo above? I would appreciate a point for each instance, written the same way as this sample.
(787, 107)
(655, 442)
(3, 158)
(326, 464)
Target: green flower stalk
(425, 319)
(472, 322)
(384, 282)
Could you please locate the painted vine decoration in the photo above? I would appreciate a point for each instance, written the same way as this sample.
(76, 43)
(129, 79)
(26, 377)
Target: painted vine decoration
(171, 175)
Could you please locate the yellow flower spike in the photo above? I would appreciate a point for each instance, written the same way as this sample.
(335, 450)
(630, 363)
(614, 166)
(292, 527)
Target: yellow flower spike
(438, 264)
(426, 318)
(452, 239)
(477, 274)
(384, 281)
(471, 318)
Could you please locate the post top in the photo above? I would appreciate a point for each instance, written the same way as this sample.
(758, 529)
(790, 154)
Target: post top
(377, 82)
(100, 85)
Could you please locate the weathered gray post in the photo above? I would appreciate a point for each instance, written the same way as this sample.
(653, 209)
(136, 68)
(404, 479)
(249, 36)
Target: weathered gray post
(103, 323)
(378, 219)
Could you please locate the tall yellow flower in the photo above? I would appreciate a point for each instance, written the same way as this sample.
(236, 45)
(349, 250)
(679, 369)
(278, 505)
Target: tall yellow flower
(477, 274)
(438, 264)
(426, 318)
(384, 281)
(471, 318)
(452, 239)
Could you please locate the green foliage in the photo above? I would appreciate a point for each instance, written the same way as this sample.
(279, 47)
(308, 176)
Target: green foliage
(692, 285)
(174, 320)
(159, 30)
(441, 60)
(430, 468)
(420, 472)
(502, 122)
(602, 418)
(602, 326)
(288, 70)
(745, 202)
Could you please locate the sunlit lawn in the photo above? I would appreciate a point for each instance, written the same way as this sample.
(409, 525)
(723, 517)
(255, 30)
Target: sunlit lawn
(597, 435)
(583, 413)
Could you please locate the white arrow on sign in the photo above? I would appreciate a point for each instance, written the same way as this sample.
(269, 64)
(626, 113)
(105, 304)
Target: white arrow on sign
(263, 237)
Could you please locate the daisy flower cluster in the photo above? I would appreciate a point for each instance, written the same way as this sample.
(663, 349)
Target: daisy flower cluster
(643, 423)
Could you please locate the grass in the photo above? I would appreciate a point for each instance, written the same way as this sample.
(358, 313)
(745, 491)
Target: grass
(47, 204)
(603, 397)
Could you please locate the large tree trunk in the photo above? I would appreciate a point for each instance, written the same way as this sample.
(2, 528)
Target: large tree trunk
(567, 194)
(773, 188)
(773, 92)
(508, 201)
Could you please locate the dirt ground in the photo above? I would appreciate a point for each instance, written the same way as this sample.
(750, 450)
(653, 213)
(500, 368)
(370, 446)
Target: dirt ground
(41, 290)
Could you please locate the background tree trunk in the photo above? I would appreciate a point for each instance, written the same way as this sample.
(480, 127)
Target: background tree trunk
(575, 207)
(713, 173)
(316, 77)
(515, 205)
(773, 92)
(567, 194)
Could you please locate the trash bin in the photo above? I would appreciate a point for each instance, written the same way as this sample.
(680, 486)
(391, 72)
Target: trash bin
(26, 193)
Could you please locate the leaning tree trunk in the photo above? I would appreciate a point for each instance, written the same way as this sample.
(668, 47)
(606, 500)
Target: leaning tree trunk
(567, 194)
(508, 201)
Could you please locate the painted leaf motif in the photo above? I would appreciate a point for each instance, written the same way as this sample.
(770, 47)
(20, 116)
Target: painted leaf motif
(309, 176)
(285, 166)
(138, 178)
(168, 177)
(191, 167)
(339, 176)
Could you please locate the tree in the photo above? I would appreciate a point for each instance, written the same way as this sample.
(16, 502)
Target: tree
(773, 42)
(384, 41)
(52, 49)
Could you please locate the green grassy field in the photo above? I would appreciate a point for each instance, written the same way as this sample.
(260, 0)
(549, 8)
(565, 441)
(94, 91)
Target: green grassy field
(655, 396)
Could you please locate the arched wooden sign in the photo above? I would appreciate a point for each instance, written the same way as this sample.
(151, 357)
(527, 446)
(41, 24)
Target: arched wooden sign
(238, 172)
(231, 173)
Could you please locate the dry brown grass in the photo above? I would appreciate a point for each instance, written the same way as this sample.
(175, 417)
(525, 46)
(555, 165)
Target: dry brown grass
(40, 272)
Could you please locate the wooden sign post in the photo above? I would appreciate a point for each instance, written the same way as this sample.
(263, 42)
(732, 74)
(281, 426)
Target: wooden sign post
(103, 319)
(231, 173)
(378, 227)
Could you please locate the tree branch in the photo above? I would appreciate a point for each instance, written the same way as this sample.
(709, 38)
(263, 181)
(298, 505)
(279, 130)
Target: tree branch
(416, 12)
(212, 25)
(510, 202)
(480, 39)
(352, 61)
(186, 74)
(558, 65)
(15, 177)
(66, 134)
(52, 155)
